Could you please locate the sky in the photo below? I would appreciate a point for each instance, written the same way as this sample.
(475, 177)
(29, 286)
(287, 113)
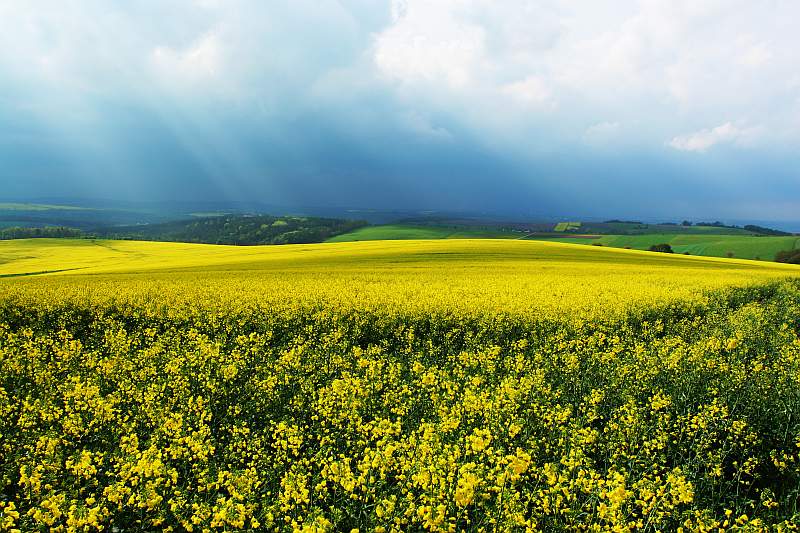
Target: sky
(610, 108)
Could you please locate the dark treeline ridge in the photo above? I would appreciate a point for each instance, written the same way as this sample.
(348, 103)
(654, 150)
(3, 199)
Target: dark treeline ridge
(239, 230)
(618, 221)
(760, 230)
(48, 232)
(752, 228)
(765, 231)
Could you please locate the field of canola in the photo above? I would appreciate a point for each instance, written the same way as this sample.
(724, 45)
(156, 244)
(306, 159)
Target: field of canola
(395, 386)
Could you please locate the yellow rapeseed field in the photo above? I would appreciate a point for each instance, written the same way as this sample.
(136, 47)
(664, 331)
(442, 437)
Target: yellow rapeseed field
(470, 276)
(395, 386)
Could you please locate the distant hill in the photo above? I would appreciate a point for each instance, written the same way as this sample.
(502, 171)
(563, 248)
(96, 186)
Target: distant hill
(238, 229)
(87, 219)
(608, 227)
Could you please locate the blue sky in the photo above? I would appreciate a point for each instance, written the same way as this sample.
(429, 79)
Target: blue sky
(648, 108)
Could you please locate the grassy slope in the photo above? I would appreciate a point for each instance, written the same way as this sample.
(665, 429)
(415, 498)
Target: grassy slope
(402, 232)
(481, 274)
(745, 247)
(696, 240)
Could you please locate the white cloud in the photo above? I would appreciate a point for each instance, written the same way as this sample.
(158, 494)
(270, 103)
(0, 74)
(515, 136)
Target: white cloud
(429, 42)
(482, 63)
(675, 61)
(532, 91)
(201, 60)
(756, 56)
(702, 140)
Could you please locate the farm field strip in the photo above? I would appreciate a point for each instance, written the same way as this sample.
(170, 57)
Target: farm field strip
(407, 232)
(523, 277)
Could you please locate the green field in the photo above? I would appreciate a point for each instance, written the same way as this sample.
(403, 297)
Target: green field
(403, 232)
(742, 246)
(566, 226)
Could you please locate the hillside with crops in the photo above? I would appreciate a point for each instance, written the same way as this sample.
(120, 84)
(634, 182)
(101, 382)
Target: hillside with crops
(443, 385)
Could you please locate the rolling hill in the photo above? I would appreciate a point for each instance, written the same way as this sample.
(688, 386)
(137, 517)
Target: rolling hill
(715, 245)
(512, 275)
(704, 240)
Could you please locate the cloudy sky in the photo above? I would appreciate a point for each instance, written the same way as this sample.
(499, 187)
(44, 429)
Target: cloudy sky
(678, 108)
